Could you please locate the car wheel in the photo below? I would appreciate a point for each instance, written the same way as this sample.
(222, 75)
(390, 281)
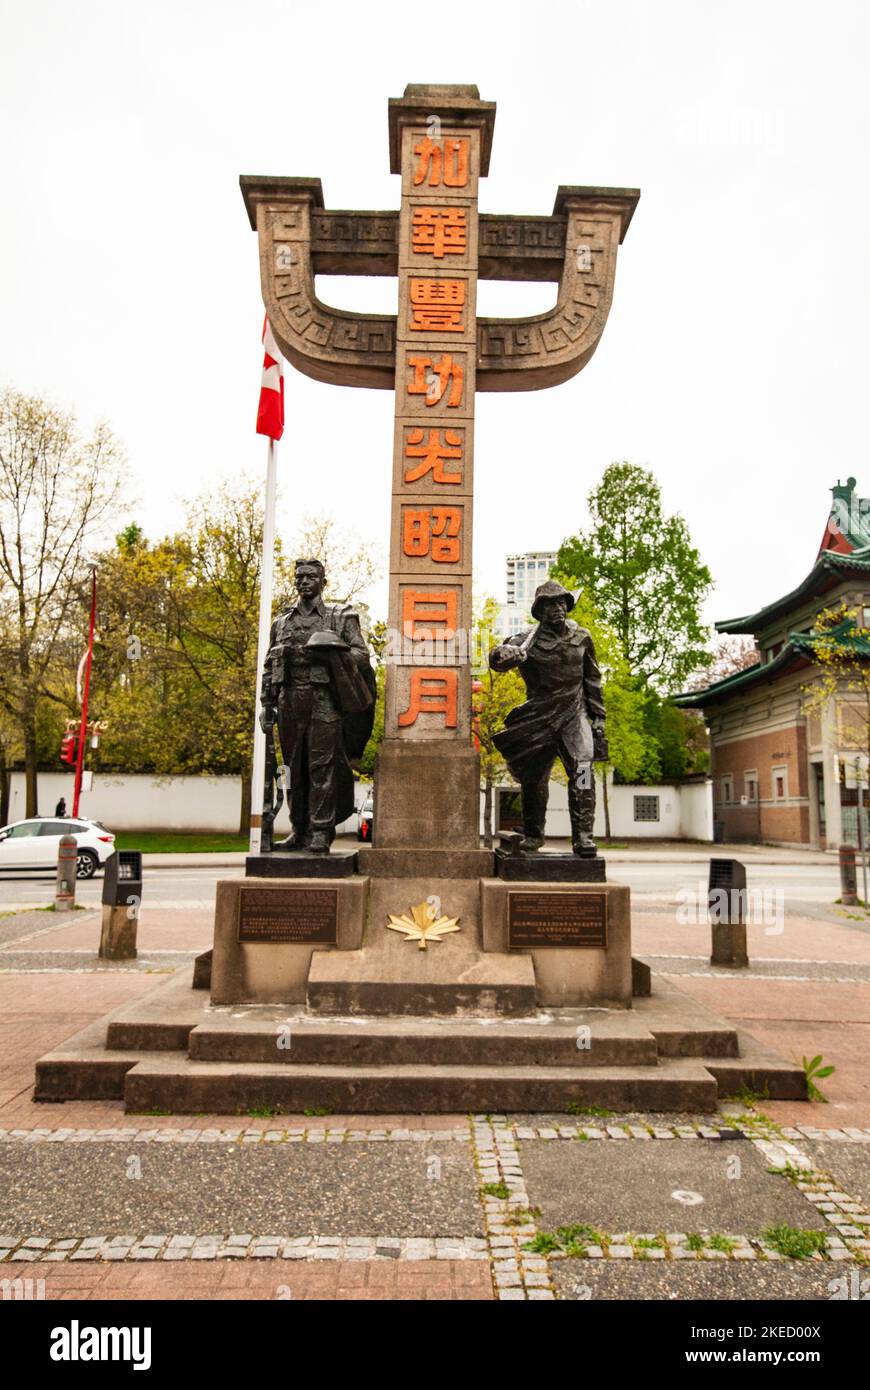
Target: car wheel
(86, 863)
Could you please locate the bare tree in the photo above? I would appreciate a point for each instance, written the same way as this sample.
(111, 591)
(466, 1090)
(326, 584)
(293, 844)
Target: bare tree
(57, 493)
(730, 654)
(352, 566)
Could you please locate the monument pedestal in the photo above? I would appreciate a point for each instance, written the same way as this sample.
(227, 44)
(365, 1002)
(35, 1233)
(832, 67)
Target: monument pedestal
(427, 792)
(453, 975)
(267, 931)
(577, 936)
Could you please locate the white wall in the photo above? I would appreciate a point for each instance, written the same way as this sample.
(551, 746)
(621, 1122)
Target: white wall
(696, 810)
(685, 811)
(137, 802)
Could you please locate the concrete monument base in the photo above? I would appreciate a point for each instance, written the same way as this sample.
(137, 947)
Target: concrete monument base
(270, 971)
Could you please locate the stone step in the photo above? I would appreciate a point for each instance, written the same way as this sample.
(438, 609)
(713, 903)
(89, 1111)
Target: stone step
(176, 1084)
(387, 981)
(681, 1026)
(92, 1064)
(760, 1070)
(591, 1041)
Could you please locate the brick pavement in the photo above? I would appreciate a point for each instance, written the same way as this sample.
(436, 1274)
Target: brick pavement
(265, 1279)
(38, 1011)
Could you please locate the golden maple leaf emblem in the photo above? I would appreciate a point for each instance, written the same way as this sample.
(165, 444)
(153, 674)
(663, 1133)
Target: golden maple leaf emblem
(423, 925)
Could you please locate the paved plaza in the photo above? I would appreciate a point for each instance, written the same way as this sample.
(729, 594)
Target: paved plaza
(763, 1200)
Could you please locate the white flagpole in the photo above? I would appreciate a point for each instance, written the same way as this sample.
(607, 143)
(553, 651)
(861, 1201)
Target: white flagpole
(266, 588)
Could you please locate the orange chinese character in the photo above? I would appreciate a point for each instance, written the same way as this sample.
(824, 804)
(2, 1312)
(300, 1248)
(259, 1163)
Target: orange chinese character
(436, 305)
(432, 454)
(439, 690)
(445, 161)
(433, 383)
(434, 530)
(439, 232)
(437, 610)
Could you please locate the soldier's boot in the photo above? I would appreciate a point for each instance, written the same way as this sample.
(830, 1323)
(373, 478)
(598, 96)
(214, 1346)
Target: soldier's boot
(534, 797)
(319, 842)
(581, 810)
(293, 841)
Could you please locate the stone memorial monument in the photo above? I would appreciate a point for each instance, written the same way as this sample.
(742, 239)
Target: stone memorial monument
(422, 972)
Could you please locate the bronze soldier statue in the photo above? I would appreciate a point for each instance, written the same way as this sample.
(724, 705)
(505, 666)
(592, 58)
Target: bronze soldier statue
(319, 687)
(563, 716)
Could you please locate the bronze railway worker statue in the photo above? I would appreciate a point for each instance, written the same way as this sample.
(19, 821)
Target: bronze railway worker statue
(563, 716)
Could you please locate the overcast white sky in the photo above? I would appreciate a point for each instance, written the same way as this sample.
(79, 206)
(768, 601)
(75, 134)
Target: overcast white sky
(734, 363)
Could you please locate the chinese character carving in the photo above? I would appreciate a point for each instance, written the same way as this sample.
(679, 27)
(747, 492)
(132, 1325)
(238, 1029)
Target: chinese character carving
(432, 378)
(439, 232)
(445, 162)
(436, 610)
(432, 531)
(432, 692)
(436, 305)
(426, 446)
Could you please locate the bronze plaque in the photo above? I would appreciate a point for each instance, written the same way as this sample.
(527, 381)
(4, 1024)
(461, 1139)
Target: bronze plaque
(557, 919)
(289, 916)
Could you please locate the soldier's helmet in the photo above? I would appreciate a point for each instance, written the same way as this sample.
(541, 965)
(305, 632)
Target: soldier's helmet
(551, 589)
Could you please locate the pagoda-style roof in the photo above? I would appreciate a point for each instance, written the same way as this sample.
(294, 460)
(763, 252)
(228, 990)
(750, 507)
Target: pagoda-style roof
(830, 569)
(790, 656)
(799, 650)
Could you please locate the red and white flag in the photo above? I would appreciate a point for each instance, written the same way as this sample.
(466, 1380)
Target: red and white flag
(270, 415)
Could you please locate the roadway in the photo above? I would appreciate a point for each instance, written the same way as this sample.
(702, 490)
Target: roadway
(651, 881)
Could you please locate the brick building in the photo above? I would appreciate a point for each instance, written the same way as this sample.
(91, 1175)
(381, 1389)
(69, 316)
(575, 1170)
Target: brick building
(778, 755)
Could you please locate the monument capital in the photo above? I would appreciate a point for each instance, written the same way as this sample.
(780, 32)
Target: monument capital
(575, 247)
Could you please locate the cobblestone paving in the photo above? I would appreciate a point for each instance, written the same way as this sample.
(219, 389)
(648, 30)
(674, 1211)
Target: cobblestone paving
(460, 1200)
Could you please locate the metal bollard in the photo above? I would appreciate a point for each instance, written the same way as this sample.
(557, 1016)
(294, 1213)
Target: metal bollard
(848, 876)
(726, 896)
(65, 890)
(122, 896)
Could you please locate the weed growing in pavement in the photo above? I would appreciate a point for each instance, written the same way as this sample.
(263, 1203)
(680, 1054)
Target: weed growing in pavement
(263, 1112)
(315, 1110)
(725, 1244)
(745, 1095)
(156, 1111)
(543, 1244)
(521, 1216)
(760, 1126)
(571, 1240)
(496, 1189)
(788, 1170)
(814, 1071)
(575, 1108)
(794, 1243)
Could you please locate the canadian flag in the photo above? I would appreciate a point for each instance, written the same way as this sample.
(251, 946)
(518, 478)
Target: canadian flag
(270, 415)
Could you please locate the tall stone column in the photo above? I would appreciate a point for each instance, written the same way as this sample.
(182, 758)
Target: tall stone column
(427, 782)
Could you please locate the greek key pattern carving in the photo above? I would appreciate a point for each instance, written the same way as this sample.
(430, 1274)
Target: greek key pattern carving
(359, 349)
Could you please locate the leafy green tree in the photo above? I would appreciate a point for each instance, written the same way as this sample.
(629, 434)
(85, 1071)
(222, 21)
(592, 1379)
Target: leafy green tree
(493, 698)
(643, 575)
(175, 668)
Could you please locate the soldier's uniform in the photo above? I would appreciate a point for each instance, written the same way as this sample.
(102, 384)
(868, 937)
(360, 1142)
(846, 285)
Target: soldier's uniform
(563, 682)
(310, 720)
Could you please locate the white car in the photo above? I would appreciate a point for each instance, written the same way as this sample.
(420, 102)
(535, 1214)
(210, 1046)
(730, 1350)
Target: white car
(33, 844)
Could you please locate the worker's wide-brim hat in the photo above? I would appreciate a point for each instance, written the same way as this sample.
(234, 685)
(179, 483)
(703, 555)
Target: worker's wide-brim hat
(551, 589)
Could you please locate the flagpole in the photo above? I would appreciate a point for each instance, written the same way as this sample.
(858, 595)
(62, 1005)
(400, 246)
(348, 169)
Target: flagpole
(266, 590)
(86, 693)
